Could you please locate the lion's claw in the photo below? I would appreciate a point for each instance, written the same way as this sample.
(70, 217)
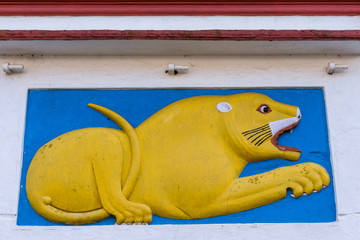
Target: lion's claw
(307, 178)
(133, 213)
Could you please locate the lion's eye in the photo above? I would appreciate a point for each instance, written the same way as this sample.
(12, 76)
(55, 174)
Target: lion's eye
(264, 108)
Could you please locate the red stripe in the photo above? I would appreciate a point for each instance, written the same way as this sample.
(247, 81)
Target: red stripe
(189, 9)
(209, 35)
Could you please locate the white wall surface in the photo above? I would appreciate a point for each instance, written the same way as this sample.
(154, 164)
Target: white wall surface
(342, 103)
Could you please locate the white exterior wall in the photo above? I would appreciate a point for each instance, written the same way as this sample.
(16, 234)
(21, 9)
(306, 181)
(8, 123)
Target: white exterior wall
(241, 71)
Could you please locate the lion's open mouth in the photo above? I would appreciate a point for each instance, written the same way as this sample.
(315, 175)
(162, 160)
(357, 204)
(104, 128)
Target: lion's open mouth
(273, 130)
(281, 131)
(281, 126)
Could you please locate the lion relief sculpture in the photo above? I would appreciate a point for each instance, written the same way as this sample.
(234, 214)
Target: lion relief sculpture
(183, 162)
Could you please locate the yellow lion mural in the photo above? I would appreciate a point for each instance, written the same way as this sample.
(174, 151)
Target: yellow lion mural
(183, 162)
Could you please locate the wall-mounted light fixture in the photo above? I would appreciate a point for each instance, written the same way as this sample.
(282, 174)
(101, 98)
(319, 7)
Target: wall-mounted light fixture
(332, 68)
(173, 70)
(12, 68)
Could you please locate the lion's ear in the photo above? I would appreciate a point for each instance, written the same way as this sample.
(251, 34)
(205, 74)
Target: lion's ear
(224, 107)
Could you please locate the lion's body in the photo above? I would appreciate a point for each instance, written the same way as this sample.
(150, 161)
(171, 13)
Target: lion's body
(186, 161)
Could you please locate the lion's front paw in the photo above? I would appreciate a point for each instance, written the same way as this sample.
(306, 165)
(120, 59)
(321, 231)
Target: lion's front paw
(134, 213)
(306, 178)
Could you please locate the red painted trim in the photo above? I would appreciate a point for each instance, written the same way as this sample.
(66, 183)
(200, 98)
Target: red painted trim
(162, 7)
(208, 35)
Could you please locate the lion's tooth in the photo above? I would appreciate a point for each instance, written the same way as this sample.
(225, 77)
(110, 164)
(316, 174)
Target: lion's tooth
(277, 126)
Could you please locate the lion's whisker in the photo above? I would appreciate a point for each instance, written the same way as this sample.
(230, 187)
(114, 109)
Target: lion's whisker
(265, 133)
(262, 128)
(258, 133)
(261, 141)
(256, 129)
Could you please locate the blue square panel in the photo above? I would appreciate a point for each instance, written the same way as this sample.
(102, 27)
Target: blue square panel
(51, 113)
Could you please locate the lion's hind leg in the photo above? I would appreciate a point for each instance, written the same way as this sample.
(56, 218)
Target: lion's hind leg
(107, 161)
(262, 189)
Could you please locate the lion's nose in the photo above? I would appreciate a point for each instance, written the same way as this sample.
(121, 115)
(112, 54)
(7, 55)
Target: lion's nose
(298, 113)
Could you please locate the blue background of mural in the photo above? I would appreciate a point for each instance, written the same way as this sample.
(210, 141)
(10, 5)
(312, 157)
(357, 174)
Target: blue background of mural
(51, 113)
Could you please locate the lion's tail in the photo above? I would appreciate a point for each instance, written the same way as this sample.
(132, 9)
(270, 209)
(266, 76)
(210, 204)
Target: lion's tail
(134, 145)
(42, 205)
